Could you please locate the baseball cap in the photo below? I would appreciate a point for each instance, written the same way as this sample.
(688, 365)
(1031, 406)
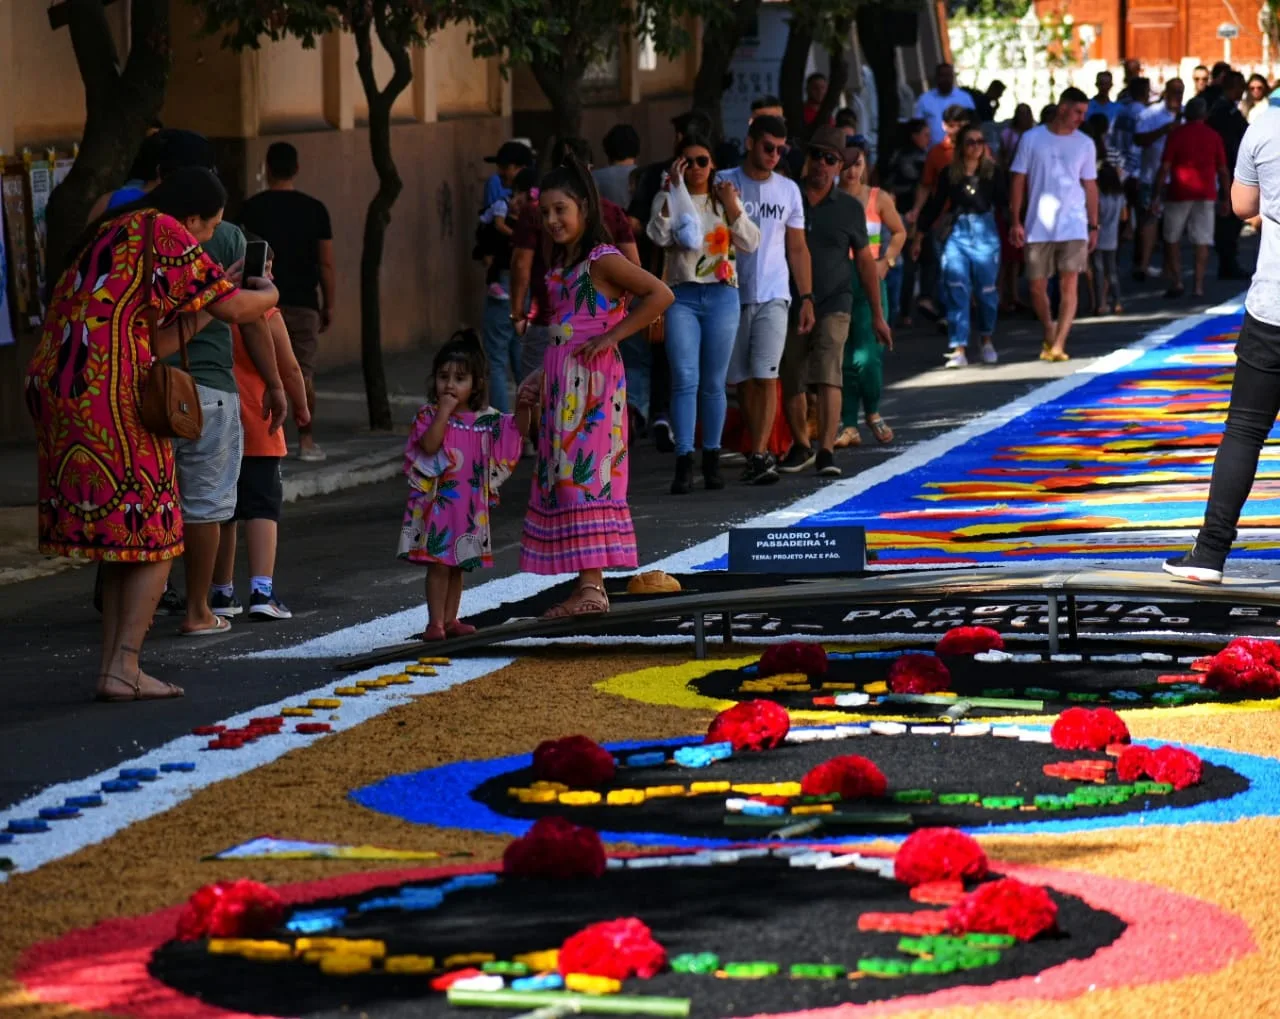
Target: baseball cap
(512, 153)
(829, 139)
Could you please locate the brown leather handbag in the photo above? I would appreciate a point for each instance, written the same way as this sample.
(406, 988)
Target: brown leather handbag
(170, 400)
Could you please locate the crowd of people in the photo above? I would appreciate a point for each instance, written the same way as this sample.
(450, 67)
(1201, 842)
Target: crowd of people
(620, 299)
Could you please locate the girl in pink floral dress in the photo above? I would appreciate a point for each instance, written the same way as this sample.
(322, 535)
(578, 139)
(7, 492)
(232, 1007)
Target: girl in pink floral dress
(578, 520)
(459, 451)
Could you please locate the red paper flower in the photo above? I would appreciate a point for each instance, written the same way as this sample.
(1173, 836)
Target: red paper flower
(939, 854)
(1133, 764)
(919, 674)
(851, 776)
(1007, 906)
(751, 725)
(577, 761)
(231, 909)
(1088, 729)
(969, 640)
(793, 656)
(1180, 768)
(555, 848)
(614, 948)
(1246, 665)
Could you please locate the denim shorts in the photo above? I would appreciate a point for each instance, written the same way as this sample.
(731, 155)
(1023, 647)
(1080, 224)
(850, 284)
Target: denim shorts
(209, 467)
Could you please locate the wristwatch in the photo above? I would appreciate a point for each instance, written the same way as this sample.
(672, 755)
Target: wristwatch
(1093, 227)
(807, 297)
(889, 260)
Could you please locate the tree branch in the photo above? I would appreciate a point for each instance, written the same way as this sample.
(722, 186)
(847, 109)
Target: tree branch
(147, 68)
(95, 50)
(402, 65)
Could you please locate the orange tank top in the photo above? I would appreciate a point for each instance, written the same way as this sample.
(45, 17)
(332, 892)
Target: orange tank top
(258, 441)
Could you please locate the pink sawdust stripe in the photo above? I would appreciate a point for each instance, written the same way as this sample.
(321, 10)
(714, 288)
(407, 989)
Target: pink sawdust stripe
(1169, 936)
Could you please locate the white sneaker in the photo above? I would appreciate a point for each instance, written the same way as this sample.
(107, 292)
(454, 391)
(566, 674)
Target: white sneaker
(956, 358)
(989, 355)
(312, 454)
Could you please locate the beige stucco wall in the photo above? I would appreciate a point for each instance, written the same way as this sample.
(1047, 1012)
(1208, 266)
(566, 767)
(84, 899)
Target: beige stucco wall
(43, 90)
(462, 82)
(290, 87)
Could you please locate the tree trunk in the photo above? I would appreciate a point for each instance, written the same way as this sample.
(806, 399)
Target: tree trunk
(561, 83)
(378, 215)
(719, 43)
(795, 58)
(878, 47)
(118, 107)
(837, 74)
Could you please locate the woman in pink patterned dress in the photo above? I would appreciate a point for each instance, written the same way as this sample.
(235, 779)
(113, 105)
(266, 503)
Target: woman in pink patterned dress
(578, 520)
(459, 451)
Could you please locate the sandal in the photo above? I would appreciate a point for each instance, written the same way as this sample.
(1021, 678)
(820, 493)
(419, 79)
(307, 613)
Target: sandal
(221, 626)
(1058, 355)
(848, 437)
(433, 632)
(169, 692)
(880, 429)
(457, 628)
(581, 603)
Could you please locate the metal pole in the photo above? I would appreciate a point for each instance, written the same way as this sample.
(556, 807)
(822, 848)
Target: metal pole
(726, 621)
(1073, 624)
(1053, 624)
(699, 635)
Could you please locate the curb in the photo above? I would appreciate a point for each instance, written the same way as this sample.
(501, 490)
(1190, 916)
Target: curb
(363, 470)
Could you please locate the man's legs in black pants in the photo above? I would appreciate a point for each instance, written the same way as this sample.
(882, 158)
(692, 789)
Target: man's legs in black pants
(1226, 240)
(1255, 401)
(660, 398)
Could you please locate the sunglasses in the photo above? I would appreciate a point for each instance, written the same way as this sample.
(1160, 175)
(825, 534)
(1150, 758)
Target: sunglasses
(975, 141)
(823, 156)
(768, 148)
(701, 162)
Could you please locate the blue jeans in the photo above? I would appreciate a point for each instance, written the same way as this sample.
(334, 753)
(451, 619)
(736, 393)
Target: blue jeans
(502, 347)
(893, 290)
(701, 328)
(637, 360)
(970, 267)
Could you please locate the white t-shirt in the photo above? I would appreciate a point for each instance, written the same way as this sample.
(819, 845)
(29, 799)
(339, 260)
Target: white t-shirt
(931, 106)
(773, 205)
(1258, 165)
(1153, 119)
(1055, 164)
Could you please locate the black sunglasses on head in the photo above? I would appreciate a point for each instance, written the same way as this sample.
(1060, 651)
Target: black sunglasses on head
(824, 156)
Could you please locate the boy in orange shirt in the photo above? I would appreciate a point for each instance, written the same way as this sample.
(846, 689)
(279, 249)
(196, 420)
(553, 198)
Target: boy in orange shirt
(260, 490)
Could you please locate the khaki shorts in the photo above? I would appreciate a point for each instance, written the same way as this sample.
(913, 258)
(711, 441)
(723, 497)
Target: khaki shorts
(1048, 258)
(816, 358)
(1196, 219)
(304, 334)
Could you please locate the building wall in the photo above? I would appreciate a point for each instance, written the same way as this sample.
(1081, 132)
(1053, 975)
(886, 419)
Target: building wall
(1164, 31)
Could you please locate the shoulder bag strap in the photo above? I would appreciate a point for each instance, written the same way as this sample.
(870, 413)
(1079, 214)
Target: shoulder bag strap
(148, 291)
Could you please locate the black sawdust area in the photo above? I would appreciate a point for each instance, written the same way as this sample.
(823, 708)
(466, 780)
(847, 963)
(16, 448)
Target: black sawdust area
(1025, 614)
(755, 910)
(1093, 680)
(987, 765)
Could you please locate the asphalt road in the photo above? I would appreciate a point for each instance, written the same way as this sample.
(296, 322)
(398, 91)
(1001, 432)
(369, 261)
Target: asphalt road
(337, 565)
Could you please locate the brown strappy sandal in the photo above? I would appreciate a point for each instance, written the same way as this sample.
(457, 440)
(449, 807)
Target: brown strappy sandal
(169, 693)
(580, 603)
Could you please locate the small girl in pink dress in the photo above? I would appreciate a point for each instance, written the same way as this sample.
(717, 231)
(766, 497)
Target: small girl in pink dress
(459, 451)
(578, 520)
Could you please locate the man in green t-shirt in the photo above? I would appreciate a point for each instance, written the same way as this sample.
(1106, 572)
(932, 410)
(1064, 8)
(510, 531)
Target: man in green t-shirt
(209, 467)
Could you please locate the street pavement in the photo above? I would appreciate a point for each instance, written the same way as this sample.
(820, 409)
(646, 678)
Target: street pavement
(337, 564)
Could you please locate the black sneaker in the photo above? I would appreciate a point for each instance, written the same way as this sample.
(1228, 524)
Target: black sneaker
(171, 604)
(267, 606)
(797, 459)
(227, 605)
(663, 437)
(761, 470)
(1195, 566)
(826, 464)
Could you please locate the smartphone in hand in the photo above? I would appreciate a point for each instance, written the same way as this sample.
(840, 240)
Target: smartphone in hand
(255, 260)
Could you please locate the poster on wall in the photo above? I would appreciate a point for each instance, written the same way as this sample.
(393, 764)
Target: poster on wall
(40, 173)
(6, 312)
(61, 168)
(14, 192)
